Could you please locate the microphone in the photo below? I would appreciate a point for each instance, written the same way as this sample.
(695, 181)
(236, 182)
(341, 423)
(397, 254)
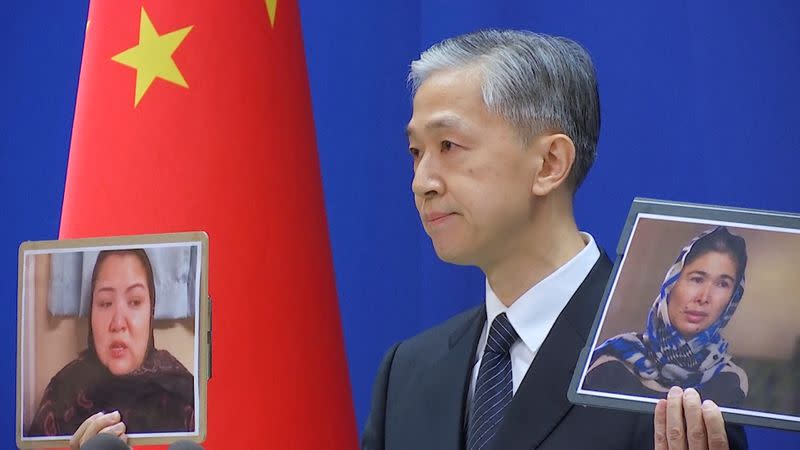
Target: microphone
(184, 445)
(105, 441)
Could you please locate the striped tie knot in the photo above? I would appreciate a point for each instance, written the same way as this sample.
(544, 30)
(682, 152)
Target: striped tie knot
(501, 335)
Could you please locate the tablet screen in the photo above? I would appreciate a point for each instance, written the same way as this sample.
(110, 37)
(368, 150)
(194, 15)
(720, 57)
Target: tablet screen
(112, 324)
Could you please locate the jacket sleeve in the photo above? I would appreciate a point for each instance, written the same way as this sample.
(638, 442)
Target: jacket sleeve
(374, 437)
(737, 439)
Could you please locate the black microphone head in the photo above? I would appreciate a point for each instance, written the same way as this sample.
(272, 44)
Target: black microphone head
(184, 445)
(105, 441)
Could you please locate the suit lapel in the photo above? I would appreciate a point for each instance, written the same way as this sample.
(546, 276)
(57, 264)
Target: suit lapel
(540, 402)
(437, 407)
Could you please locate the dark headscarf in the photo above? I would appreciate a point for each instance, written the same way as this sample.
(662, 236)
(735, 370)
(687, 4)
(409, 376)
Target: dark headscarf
(158, 396)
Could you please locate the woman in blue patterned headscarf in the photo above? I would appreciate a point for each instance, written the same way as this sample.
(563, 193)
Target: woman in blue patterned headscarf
(681, 344)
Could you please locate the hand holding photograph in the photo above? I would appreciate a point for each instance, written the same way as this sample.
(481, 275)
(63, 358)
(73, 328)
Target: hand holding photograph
(701, 297)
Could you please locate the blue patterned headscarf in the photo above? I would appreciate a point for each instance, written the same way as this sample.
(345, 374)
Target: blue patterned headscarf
(661, 353)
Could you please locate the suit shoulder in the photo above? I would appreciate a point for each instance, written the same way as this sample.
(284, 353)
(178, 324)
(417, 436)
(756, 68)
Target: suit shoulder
(431, 343)
(444, 330)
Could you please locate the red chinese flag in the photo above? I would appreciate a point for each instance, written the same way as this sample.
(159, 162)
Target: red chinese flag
(196, 115)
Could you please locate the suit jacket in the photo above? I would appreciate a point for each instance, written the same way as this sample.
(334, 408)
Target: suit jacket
(420, 394)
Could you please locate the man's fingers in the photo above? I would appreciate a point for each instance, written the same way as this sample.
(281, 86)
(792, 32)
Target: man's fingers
(660, 425)
(75, 440)
(101, 422)
(118, 429)
(695, 428)
(676, 433)
(715, 426)
(98, 424)
(82, 429)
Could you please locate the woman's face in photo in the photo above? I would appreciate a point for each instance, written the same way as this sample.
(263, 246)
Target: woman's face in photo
(701, 293)
(121, 313)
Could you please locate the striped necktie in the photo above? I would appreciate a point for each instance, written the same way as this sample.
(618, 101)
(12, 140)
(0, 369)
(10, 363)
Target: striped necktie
(493, 388)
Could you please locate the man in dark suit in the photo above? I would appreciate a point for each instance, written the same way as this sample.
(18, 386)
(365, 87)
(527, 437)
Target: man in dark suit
(503, 131)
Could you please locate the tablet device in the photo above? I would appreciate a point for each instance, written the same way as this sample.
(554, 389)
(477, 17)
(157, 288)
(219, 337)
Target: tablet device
(113, 324)
(700, 296)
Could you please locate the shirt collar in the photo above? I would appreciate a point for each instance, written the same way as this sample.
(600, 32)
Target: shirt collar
(534, 312)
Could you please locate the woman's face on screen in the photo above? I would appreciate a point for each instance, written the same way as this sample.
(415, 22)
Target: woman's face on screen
(121, 313)
(702, 292)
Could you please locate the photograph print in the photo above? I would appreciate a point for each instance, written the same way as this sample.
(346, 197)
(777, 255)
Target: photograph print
(701, 303)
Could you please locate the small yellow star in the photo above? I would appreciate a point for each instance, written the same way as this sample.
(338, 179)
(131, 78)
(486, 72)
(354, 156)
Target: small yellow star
(271, 5)
(152, 58)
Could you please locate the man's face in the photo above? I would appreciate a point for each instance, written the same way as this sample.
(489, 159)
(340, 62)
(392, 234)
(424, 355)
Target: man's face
(472, 175)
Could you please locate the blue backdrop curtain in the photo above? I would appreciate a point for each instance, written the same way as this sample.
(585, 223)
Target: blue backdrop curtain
(698, 104)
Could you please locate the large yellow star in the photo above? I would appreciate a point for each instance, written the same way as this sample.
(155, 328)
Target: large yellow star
(271, 5)
(152, 58)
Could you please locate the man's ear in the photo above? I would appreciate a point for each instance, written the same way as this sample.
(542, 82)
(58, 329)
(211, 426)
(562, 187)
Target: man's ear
(558, 156)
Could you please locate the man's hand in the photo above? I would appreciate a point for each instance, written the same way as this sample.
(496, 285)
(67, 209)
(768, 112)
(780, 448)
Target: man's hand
(683, 423)
(98, 423)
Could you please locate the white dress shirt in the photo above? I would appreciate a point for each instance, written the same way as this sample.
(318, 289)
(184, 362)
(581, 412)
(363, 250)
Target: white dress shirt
(534, 313)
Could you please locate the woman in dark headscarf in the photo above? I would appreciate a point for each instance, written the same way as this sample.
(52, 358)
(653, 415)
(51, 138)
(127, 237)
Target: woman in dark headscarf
(682, 344)
(121, 369)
